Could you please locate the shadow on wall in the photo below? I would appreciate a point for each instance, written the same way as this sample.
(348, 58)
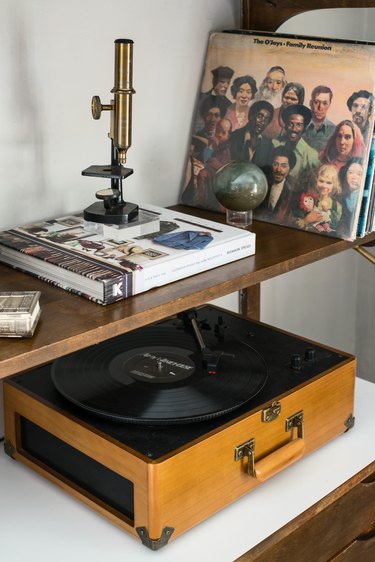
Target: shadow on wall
(21, 154)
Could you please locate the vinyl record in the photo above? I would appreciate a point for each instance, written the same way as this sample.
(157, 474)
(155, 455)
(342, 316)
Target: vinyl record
(137, 378)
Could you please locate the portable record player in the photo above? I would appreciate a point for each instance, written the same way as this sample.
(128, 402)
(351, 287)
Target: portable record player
(159, 428)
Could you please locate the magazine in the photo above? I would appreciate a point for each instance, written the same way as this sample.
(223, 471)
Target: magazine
(301, 109)
(71, 254)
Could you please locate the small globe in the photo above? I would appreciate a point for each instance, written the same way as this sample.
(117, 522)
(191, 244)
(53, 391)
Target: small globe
(240, 186)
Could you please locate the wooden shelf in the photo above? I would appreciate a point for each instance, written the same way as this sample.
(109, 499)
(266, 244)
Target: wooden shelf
(69, 322)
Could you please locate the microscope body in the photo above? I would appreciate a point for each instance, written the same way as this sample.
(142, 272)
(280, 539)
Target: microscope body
(111, 207)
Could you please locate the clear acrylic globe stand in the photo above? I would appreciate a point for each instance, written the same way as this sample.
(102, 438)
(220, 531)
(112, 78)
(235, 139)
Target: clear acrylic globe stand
(241, 219)
(240, 187)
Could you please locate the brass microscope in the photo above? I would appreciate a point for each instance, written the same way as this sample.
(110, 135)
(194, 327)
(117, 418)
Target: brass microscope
(111, 209)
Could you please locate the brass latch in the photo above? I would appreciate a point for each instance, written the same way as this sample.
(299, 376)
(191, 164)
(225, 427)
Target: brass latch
(277, 460)
(272, 412)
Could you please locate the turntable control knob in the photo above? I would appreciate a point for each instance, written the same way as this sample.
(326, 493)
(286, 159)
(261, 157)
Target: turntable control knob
(296, 362)
(310, 355)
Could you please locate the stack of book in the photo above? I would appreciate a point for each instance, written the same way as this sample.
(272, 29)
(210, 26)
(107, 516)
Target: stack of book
(79, 258)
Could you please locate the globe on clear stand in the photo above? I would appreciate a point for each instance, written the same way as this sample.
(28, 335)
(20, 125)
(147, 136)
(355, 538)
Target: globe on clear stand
(240, 187)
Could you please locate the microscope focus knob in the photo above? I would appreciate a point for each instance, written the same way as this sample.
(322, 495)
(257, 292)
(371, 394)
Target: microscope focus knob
(97, 107)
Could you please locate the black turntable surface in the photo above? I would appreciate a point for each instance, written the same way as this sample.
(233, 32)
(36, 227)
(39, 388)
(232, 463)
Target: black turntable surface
(160, 387)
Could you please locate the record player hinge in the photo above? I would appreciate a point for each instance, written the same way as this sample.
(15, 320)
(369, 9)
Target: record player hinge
(154, 544)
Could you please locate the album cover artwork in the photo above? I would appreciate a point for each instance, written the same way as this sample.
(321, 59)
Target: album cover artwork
(299, 108)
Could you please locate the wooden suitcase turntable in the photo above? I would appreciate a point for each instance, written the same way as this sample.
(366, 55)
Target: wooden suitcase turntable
(161, 427)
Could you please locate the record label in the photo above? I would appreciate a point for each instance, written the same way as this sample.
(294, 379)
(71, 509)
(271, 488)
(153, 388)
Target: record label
(152, 365)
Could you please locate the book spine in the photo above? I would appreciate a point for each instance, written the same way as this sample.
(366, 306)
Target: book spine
(116, 284)
(363, 213)
(188, 264)
(110, 294)
(119, 288)
(17, 326)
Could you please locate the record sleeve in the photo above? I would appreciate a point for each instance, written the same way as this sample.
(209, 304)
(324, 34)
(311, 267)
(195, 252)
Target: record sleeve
(301, 109)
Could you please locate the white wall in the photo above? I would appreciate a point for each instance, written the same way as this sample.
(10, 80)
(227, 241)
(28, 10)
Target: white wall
(331, 301)
(55, 55)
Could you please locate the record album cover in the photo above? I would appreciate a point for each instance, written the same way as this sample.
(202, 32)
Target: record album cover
(299, 108)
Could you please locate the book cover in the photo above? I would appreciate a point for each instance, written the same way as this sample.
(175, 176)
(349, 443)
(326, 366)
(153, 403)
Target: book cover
(300, 108)
(74, 256)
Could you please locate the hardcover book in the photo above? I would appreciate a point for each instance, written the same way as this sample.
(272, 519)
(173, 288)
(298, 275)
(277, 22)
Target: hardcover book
(72, 254)
(300, 108)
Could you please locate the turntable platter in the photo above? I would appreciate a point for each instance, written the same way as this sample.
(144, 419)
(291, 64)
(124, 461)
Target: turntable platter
(137, 378)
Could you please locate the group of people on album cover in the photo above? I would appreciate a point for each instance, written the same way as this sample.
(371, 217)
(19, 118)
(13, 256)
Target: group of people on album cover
(314, 167)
